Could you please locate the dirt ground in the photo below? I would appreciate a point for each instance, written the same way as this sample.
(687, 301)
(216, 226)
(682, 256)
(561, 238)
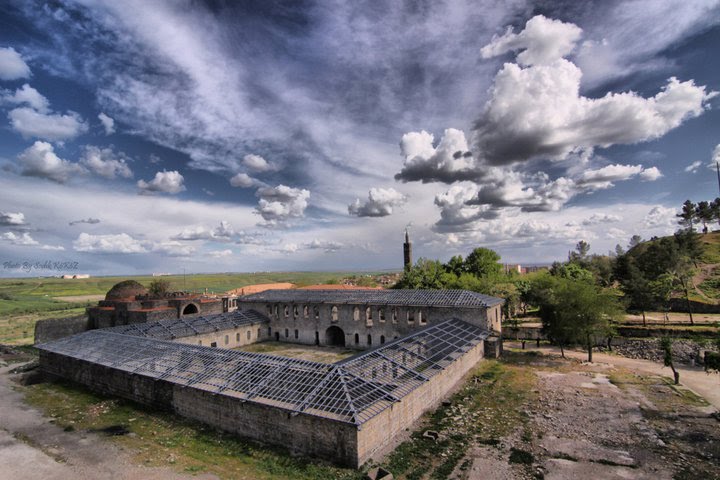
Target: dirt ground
(31, 448)
(301, 352)
(604, 421)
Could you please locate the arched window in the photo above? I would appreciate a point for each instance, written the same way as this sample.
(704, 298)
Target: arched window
(394, 315)
(269, 332)
(382, 339)
(237, 337)
(369, 339)
(357, 339)
(356, 313)
(227, 339)
(277, 310)
(306, 311)
(287, 311)
(248, 335)
(381, 314)
(410, 316)
(316, 311)
(295, 311)
(269, 309)
(368, 313)
(296, 334)
(287, 333)
(421, 318)
(334, 313)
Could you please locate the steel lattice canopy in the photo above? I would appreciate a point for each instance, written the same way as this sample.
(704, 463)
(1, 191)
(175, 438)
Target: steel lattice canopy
(419, 298)
(352, 391)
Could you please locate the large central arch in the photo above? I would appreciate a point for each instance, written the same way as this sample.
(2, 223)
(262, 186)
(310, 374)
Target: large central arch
(335, 336)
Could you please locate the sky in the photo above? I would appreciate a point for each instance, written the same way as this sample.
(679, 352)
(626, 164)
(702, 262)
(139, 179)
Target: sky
(140, 137)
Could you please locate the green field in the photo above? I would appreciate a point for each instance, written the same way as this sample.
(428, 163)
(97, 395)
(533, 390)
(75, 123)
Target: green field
(24, 301)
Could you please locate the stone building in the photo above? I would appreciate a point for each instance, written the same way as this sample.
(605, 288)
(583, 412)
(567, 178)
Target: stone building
(130, 302)
(418, 346)
(362, 319)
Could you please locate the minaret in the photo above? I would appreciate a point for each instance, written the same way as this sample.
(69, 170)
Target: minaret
(407, 251)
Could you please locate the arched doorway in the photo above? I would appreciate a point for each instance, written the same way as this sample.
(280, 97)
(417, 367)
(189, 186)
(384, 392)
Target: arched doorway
(335, 336)
(190, 309)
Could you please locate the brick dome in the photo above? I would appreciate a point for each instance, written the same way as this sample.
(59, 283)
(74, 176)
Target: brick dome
(126, 290)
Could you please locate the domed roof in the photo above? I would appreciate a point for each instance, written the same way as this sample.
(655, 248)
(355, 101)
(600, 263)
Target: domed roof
(125, 290)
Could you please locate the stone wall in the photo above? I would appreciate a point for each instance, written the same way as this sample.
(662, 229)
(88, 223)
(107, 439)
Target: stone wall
(380, 435)
(301, 434)
(308, 323)
(55, 328)
(233, 338)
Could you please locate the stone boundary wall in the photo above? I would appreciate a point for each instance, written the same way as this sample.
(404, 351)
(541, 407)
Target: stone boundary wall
(380, 435)
(301, 434)
(56, 328)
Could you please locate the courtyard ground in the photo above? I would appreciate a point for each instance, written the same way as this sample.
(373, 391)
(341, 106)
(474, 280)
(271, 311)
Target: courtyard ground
(531, 415)
(320, 354)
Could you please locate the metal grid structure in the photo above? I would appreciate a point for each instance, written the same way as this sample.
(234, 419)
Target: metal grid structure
(420, 298)
(351, 391)
(184, 327)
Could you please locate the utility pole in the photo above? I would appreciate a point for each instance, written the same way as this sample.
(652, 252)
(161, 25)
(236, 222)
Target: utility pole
(717, 166)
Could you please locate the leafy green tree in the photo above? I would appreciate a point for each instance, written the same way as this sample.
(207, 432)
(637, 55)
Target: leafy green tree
(666, 346)
(428, 274)
(682, 274)
(523, 288)
(159, 287)
(575, 312)
(483, 262)
(580, 253)
(704, 214)
(688, 215)
(456, 265)
(571, 271)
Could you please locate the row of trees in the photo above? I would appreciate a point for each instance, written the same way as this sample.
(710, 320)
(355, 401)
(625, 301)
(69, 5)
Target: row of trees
(702, 212)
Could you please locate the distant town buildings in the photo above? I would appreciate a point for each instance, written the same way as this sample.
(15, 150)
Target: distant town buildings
(76, 276)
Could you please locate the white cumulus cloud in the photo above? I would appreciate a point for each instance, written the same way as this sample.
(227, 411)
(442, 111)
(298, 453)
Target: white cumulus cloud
(223, 232)
(693, 167)
(107, 122)
(49, 126)
(164, 182)
(12, 65)
(281, 203)
(380, 203)
(12, 219)
(112, 243)
(256, 163)
(105, 163)
(243, 180)
(40, 160)
(25, 95)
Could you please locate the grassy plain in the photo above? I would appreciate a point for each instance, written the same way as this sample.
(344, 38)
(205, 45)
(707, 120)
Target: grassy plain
(24, 301)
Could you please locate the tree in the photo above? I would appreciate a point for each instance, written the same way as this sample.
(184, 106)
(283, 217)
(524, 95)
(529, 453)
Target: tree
(635, 240)
(704, 214)
(682, 273)
(715, 209)
(483, 262)
(581, 251)
(688, 215)
(574, 312)
(571, 271)
(424, 274)
(159, 287)
(456, 265)
(523, 288)
(666, 346)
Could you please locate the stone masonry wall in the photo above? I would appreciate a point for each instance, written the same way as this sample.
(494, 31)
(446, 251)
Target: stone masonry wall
(380, 435)
(55, 328)
(301, 434)
(307, 323)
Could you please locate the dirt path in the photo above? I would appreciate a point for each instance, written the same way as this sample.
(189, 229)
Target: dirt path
(694, 378)
(33, 448)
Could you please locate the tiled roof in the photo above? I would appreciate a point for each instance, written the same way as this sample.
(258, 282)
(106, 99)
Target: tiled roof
(184, 327)
(421, 298)
(351, 391)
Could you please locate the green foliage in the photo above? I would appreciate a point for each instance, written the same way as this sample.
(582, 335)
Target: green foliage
(574, 312)
(483, 262)
(428, 274)
(159, 287)
(666, 346)
(571, 271)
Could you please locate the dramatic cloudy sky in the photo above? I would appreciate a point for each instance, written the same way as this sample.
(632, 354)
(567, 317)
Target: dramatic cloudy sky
(142, 136)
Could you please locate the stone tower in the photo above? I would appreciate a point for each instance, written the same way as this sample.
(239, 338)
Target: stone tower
(407, 251)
